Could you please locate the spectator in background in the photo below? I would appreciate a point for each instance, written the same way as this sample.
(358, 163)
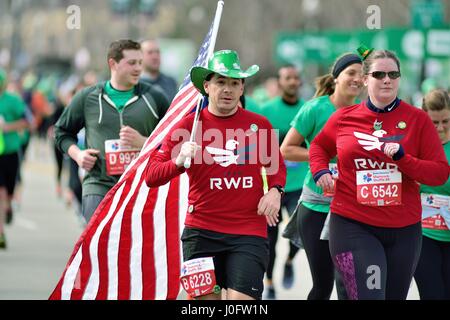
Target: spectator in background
(280, 111)
(152, 73)
(268, 90)
(12, 121)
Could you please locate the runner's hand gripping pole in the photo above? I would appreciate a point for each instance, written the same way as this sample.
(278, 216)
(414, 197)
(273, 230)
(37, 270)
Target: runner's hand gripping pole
(202, 102)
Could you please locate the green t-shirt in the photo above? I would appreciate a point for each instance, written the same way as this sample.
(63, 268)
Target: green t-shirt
(308, 122)
(280, 114)
(12, 109)
(120, 98)
(439, 235)
(252, 105)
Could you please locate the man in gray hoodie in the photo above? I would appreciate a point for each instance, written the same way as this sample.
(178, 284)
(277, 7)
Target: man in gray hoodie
(118, 115)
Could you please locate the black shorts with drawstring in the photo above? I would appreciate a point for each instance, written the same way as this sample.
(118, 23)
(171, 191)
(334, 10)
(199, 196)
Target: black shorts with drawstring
(240, 261)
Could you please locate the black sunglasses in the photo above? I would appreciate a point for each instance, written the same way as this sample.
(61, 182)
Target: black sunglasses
(381, 74)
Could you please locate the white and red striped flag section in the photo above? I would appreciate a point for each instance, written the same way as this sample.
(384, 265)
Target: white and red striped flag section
(131, 248)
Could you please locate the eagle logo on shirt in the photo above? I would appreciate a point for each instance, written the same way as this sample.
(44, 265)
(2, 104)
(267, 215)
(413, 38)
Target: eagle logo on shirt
(375, 140)
(370, 142)
(227, 156)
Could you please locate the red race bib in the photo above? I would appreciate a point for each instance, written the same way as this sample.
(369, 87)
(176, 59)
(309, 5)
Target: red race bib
(379, 187)
(435, 222)
(198, 277)
(117, 157)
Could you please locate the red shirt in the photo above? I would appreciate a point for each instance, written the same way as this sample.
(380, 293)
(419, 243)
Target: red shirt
(423, 161)
(225, 181)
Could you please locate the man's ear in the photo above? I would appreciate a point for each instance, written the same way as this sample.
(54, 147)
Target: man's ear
(206, 86)
(111, 63)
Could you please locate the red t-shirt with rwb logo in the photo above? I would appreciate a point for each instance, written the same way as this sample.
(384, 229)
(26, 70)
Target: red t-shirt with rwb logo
(373, 188)
(225, 180)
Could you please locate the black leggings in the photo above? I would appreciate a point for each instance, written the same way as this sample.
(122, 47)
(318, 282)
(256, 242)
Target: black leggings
(310, 225)
(74, 180)
(59, 157)
(374, 262)
(433, 270)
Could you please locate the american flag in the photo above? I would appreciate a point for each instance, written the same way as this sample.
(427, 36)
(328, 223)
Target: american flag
(131, 247)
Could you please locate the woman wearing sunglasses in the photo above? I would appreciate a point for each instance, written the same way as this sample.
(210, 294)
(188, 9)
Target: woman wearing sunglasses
(433, 271)
(335, 90)
(384, 147)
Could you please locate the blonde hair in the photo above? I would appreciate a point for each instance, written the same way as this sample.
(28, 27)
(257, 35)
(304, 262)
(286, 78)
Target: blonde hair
(325, 85)
(436, 100)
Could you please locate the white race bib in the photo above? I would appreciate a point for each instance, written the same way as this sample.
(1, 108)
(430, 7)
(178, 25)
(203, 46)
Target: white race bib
(435, 200)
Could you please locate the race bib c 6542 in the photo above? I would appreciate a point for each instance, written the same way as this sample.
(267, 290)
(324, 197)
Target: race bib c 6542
(379, 187)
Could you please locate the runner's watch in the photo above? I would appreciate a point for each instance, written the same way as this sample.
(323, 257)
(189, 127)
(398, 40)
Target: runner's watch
(279, 188)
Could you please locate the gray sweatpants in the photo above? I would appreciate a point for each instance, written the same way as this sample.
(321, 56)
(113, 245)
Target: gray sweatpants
(89, 203)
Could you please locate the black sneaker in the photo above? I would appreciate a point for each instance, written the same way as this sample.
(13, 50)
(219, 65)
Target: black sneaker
(2, 241)
(271, 293)
(288, 276)
(9, 216)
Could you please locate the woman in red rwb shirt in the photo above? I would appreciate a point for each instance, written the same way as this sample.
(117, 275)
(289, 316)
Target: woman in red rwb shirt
(385, 147)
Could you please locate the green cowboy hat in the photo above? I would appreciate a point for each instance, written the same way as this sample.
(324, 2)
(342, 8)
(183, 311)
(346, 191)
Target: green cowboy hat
(225, 63)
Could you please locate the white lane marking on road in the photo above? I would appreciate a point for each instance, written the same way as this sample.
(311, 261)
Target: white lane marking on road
(26, 224)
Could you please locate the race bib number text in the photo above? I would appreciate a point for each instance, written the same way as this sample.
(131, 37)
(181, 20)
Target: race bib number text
(379, 187)
(198, 277)
(117, 157)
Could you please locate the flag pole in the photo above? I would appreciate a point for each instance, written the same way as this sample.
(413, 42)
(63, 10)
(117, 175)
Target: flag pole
(215, 30)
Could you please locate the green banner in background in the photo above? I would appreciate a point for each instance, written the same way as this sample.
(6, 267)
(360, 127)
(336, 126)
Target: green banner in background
(424, 53)
(325, 46)
(427, 13)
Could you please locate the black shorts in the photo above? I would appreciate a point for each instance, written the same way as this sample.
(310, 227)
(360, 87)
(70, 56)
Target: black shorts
(240, 261)
(9, 167)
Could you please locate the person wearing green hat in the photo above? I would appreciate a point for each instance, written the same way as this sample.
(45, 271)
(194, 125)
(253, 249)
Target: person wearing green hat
(12, 121)
(228, 211)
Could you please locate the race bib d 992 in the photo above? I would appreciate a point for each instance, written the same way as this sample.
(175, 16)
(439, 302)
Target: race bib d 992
(117, 157)
(379, 187)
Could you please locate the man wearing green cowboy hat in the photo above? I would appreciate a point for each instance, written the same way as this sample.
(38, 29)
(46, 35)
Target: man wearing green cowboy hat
(12, 121)
(228, 212)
